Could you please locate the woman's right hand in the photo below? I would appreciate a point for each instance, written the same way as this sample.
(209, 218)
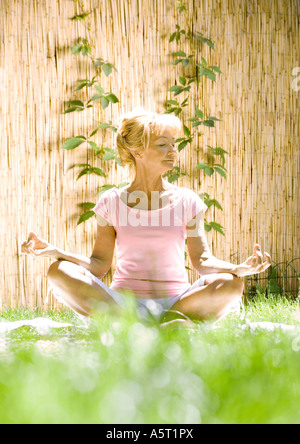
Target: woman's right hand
(34, 246)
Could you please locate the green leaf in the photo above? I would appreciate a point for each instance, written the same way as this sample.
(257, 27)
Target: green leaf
(179, 54)
(94, 145)
(112, 98)
(182, 80)
(176, 62)
(98, 62)
(94, 132)
(186, 131)
(104, 125)
(79, 165)
(81, 17)
(184, 103)
(72, 143)
(217, 150)
(214, 118)
(109, 150)
(200, 37)
(86, 204)
(107, 69)
(209, 171)
(82, 85)
(221, 172)
(85, 216)
(108, 156)
(105, 187)
(86, 50)
(216, 68)
(72, 109)
(201, 166)
(221, 166)
(99, 88)
(98, 171)
(76, 49)
(76, 103)
(104, 102)
(182, 145)
(175, 88)
(172, 37)
(215, 203)
(185, 62)
(95, 97)
(83, 172)
(217, 227)
(209, 123)
(197, 123)
(173, 177)
(172, 102)
(199, 113)
(208, 73)
(204, 61)
(111, 66)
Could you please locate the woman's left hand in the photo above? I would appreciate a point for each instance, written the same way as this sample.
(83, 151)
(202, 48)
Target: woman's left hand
(254, 264)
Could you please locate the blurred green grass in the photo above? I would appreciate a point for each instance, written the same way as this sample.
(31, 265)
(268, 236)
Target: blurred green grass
(119, 370)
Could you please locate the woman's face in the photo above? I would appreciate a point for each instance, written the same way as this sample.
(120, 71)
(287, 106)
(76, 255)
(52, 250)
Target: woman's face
(162, 152)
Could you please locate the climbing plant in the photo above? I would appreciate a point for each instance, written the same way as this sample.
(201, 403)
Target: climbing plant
(201, 70)
(86, 49)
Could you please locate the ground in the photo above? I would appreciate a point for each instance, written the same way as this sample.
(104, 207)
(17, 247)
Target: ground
(120, 370)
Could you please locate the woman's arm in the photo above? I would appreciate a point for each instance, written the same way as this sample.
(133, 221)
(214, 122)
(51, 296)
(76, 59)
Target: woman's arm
(253, 265)
(96, 266)
(101, 259)
(214, 265)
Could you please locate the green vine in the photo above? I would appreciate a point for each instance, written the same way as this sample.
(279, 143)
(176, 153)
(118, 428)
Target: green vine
(183, 85)
(105, 98)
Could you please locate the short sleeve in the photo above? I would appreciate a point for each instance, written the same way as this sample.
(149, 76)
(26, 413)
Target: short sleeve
(102, 208)
(193, 205)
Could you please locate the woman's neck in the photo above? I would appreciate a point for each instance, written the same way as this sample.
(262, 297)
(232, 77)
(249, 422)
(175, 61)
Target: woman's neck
(147, 185)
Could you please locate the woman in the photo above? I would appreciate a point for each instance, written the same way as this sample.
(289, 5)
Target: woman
(148, 222)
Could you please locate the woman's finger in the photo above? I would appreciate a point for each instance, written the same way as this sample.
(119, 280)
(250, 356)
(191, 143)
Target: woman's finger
(31, 250)
(254, 260)
(259, 254)
(268, 257)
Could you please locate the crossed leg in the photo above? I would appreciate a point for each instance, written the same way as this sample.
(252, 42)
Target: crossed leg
(76, 289)
(80, 293)
(213, 300)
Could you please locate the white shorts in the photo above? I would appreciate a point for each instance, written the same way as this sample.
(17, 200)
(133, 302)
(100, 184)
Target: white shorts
(146, 308)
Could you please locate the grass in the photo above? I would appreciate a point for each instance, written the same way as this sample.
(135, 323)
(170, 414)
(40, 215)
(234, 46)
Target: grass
(120, 370)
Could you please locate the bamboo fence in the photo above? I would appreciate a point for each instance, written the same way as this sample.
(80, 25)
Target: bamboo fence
(256, 47)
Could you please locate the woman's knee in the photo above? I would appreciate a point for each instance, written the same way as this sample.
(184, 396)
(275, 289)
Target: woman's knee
(53, 270)
(225, 278)
(62, 268)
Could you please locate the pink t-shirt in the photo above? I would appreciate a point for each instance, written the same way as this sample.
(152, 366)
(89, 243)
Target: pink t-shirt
(150, 244)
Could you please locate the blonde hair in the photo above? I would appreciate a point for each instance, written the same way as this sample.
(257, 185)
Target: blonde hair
(135, 129)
